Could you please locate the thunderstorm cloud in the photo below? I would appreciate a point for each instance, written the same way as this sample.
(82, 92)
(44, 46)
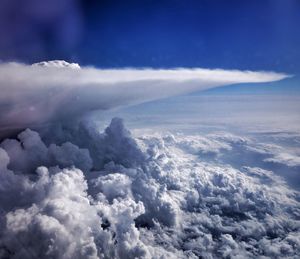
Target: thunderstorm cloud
(69, 190)
(49, 91)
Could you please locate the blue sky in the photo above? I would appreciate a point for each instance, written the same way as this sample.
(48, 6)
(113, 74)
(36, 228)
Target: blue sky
(255, 35)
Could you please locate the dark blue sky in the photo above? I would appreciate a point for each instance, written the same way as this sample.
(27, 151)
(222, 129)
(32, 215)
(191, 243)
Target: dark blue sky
(254, 34)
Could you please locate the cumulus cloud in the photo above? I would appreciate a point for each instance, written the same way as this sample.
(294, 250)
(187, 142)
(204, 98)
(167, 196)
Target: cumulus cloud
(55, 90)
(80, 193)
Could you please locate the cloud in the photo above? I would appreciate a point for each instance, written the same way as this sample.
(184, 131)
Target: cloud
(156, 196)
(56, 90)
(29, 152)
(70, 191)
(57, 64)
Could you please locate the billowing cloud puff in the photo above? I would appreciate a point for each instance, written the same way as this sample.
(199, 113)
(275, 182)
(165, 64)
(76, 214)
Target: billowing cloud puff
(57, 64)
(79, 193)
(54, 90)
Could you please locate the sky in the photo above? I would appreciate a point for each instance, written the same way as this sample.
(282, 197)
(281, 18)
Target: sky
(257, 35)
(254, 35)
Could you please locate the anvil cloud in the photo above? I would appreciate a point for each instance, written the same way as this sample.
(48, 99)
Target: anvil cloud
(48, 91)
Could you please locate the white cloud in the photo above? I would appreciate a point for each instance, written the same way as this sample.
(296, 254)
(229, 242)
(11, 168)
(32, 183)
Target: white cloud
(70, 191)
(29, 152)
(156, 196)
(47, 91)
(57, 64)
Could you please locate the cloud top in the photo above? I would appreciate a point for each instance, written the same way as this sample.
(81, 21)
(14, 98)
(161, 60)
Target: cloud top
(87, 194)
(57, 63)
(54, 90)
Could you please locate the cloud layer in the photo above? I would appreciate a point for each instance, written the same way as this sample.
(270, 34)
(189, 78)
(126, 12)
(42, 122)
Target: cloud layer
(78, 193)
(55, 90)
(70, 191)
